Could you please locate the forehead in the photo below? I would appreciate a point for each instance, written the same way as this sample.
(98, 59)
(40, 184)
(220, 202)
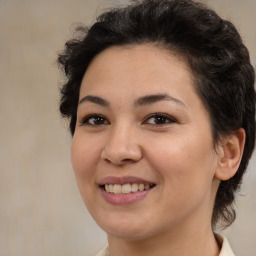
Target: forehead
(141, 67)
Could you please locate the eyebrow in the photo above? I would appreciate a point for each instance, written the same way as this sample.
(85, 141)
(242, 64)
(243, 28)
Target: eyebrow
(149, 99)
(96, 100)
(145, 100)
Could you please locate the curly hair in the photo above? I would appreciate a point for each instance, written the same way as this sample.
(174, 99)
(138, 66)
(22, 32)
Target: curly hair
(211, 46)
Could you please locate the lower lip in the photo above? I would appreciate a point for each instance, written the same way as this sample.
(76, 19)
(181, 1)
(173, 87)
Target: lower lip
(121, 199)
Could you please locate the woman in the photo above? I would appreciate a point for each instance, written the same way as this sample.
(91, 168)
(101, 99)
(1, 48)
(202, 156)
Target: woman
(161, 104)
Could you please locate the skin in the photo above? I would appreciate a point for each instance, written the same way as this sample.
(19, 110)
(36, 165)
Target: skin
(176, 153)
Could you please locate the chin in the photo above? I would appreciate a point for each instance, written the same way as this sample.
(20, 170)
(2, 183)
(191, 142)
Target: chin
(125, 228)
(130, 235)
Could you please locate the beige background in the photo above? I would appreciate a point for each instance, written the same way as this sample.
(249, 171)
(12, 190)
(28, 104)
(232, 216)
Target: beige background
(41, 213)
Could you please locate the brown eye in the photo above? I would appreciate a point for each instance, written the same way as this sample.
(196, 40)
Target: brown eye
(159, 119)
(94, 120)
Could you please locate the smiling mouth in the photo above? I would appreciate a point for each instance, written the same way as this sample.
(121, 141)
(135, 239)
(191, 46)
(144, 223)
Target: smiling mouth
(128, 188)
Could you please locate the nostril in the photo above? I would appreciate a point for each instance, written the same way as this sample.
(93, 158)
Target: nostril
(106, 160)
(119, 162)
(127, 160)
(119, 154)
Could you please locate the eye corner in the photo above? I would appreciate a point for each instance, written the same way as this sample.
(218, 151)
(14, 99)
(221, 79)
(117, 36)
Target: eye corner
(93, 120)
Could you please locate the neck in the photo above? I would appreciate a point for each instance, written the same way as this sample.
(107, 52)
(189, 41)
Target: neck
(195, 241)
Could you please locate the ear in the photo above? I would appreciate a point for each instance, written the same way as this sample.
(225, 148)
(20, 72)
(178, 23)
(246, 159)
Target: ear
(230, 151)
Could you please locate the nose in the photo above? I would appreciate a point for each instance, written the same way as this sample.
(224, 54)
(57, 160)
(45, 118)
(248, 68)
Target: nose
(122, 146)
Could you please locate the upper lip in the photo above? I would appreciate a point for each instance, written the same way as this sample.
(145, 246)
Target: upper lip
(123, 180)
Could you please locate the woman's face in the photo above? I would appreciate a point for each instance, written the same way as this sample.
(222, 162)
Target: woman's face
(144, 133)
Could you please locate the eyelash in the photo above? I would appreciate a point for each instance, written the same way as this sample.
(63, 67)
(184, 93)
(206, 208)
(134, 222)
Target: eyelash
(103, 121)
(160, 117)
(97, 117)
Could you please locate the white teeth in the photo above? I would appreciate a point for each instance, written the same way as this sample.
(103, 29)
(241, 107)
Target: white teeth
(135, 187)
(141, 187)
(126, 188)
(147, 186)
(111, 188)
(107, 188)
(117, 189)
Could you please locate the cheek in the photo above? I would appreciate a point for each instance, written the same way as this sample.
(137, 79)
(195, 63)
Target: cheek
(187, 162)
(186, 173)
(84, 158)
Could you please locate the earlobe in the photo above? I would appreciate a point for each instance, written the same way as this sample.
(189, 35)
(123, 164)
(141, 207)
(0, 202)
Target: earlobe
(230, 154)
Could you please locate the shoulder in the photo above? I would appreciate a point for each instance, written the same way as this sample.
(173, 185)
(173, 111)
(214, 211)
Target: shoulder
(225, 247)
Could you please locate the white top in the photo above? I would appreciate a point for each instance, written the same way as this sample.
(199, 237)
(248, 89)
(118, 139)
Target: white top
(225, 248)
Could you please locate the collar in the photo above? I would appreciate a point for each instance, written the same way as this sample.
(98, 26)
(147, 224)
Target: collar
(103, 252)
(225, 247)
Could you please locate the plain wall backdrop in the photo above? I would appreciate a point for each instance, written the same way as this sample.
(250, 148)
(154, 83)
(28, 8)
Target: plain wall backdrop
(41, 212)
